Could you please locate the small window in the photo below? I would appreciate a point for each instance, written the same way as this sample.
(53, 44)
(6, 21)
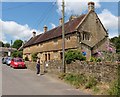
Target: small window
(86, 36)
(68, 37)
(45, 57)
(55, 40)
(61, 55)
(48, 56)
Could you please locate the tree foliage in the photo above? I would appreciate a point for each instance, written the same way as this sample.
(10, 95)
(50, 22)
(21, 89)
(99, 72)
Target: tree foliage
(1, 44)
(116, 41)
(17, 44)
(72, 55)
(34, 57)
(7, 45)
(17, 54)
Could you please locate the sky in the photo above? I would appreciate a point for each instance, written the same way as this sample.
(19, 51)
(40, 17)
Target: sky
(18, 19)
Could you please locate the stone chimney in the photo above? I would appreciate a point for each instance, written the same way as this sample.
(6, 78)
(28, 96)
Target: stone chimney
(72, 17)
(60, 21)
(45, 28)
(34, 34)
(91, 6)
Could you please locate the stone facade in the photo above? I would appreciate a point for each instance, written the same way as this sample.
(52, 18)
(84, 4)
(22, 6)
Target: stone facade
(85, 33)
(51, 49)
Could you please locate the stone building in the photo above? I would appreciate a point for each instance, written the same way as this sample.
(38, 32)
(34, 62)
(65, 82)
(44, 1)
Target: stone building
(85, 32)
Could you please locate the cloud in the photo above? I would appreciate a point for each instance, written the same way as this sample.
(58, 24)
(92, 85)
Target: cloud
(53, 25)
(76, 7)
(110, 22)
(15, 30)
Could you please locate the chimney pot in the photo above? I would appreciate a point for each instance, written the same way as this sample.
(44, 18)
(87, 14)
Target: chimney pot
(91, 6)
(45, 28)
(34, 34)
(72, 17)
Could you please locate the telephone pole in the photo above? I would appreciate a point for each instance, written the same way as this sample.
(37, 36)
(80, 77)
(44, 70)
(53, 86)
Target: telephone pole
(63, 37)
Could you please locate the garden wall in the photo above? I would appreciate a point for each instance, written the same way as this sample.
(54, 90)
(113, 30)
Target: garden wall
(104, 71)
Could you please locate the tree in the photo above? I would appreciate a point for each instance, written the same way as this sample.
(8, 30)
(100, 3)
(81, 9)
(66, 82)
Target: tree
(116, 41)
(17, 54)
(1, 44)
(7, 45)
(17, 44)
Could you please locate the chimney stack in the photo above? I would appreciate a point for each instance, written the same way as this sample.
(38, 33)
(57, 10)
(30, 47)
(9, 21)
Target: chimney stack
(60, 21)
(34, 34)
(91, 6)
(45, 28)
(72, 17)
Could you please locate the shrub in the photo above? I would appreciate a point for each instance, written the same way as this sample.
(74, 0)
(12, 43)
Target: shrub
(98, 60)
(14, 54)
(91, 82)
(34, 57)
(72, 55)
(114, 90)
(75, 79)
(17, 54)
(92, 59)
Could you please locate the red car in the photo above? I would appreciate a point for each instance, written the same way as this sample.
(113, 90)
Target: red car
(17, 63)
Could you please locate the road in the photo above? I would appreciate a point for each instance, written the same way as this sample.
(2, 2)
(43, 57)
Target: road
(26, 82)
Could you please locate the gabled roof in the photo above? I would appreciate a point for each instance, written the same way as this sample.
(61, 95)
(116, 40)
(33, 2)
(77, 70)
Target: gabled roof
(70, 27)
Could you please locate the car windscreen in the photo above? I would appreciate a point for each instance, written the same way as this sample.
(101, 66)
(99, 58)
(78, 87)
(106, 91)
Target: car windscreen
(18, 60)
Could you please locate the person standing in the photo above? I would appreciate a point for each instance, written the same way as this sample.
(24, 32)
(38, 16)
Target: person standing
(38, 68)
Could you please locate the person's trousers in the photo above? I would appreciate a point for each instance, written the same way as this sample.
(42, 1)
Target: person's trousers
(38, 70)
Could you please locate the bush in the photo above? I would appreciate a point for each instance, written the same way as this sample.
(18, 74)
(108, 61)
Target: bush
(99, 60)
(72, 55)
(91, 82)
(34, 57)
(17, 54)
(75, 79)
(14, 54)
(93, 59)
(114, 90)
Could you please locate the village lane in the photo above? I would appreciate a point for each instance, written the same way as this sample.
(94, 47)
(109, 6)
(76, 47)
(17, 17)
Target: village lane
(26, 82)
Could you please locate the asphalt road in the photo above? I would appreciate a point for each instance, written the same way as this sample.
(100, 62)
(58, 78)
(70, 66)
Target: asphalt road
(26, 82)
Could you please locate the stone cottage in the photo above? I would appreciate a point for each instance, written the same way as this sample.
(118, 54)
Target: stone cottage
(85, 33)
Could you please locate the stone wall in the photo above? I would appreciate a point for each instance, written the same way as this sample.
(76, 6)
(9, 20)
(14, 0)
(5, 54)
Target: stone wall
(104, 72)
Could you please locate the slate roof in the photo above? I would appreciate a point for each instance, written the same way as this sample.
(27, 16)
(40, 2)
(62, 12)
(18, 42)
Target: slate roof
(70, 27)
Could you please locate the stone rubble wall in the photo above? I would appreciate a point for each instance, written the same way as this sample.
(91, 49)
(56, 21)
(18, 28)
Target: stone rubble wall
(104, 72)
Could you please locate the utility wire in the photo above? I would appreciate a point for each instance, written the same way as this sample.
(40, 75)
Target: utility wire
(49, 14)
(44, 16)
(16, 7)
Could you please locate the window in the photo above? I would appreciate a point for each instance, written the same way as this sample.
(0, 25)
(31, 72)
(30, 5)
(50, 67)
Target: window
(41, 45)
(68, 37)
(45, 57)
(55, 40)
(86, 36)
(48, 56)
(61, 55)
